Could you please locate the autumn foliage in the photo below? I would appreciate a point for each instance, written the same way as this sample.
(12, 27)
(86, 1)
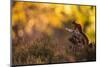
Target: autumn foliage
(39, 35)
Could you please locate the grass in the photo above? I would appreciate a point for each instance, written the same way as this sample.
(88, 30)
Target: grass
(48, 49)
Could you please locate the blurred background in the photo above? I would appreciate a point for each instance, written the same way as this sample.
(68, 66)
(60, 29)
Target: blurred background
(55, 15)
(39, 36)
